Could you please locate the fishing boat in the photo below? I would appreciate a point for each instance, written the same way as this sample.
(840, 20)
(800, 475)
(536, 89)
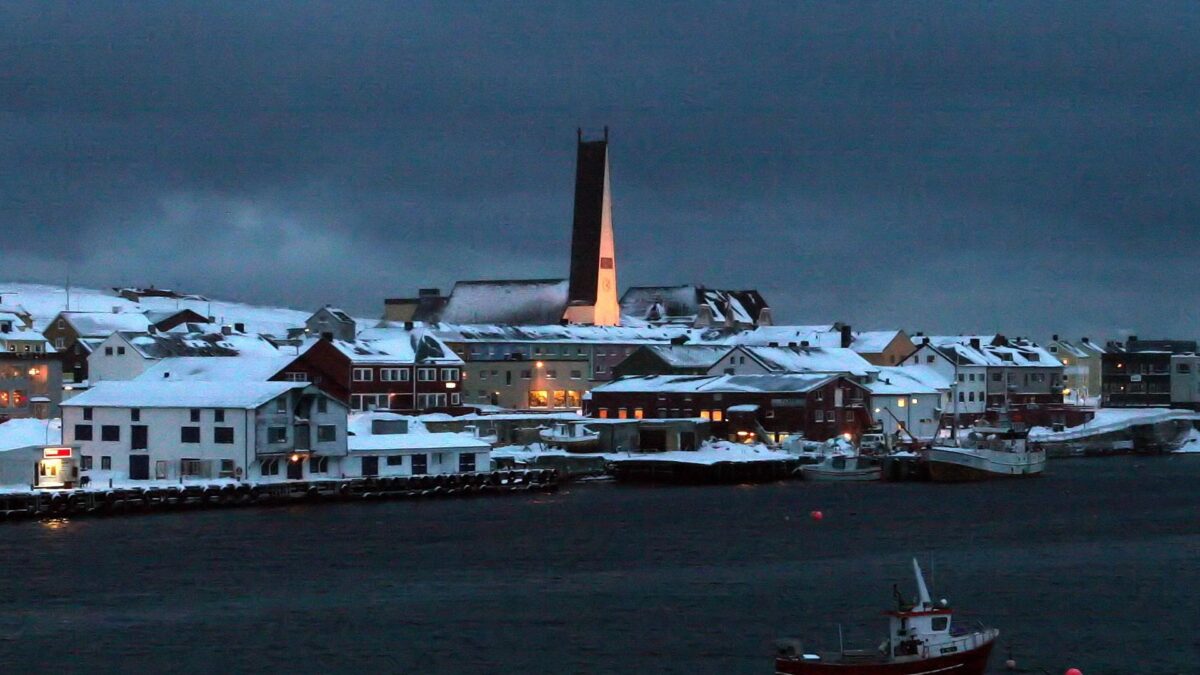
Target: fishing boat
(843, 468)
(571, 437)
(922, 640)
(987, 452)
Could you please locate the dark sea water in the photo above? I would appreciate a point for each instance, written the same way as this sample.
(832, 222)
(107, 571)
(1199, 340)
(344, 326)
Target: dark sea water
(1095, 565)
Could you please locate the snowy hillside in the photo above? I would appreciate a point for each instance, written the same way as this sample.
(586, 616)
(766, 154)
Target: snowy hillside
(44, 302)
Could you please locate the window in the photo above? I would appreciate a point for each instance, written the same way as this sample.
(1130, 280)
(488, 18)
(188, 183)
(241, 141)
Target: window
(638, 413)
(87, 414)
(718, 415)
(576, 374)
(818, 415)
(455, 399)
(971, 396)
(189, 434)
(962, 397)
(963, 378)
(281, 404)
(996, 377)
(326, 433)
(191, 467)
(219, 415)
(393, 374)
(395, 460)
(223, 435)
(426, 374)
(426, 401)
(195, 414)
(120, 351)
(539, 399)
(449, 374)
(819, 395)
(105, 463)
(83, 432)
(85, 462)
(526, 374)
(277, 434)
(228, 470)
(602, 413)
(270, 467)
(705, 414)
(940, 623)
(622, 413)
(110, 432)
(293, 376)
(551, 374)
(318, 464)
(483, 374)
(420, 464)
(322, 404)
(362, 375)
(560, 399)
(466, 462)
(60, 344)
(573, 399)
(1183, 368)
(108, 351)
(135, 415)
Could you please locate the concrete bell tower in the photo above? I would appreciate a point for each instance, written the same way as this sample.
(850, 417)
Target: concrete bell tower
(592, 298)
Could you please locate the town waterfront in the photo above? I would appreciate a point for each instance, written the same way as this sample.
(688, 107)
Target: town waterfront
(1094, 565)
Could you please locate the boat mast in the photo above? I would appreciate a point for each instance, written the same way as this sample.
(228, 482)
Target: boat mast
(922, 589)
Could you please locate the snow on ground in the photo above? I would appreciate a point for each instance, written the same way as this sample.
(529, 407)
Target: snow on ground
(44, 302)
(1191, 443)
(1112, 419)
(22, 433)
(710, 453)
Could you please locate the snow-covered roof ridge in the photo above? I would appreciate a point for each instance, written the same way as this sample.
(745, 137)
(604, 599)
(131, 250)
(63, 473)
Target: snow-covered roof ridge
(790, 382)
(141, 393)
(811, 360)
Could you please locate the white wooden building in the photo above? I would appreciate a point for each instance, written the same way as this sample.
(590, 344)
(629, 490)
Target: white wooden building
(206, 430)
(386, 444)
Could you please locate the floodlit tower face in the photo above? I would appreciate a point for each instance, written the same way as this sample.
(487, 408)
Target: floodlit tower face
(593, 291)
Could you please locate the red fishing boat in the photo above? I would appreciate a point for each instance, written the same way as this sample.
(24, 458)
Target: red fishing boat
(922, 640)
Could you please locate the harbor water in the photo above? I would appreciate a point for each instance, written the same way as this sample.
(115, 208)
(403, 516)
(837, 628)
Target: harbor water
(1094, 565)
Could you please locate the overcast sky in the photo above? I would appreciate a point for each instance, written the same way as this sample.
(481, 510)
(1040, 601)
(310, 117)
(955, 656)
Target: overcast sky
(1026, 168)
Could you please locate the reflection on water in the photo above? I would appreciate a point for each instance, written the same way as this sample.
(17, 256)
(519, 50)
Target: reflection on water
(55, 523)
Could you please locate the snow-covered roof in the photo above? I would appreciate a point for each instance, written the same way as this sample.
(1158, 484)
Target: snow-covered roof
(714, 383)
(26, 432)
(141, 393)
(103, 324)
(1017, 353)
(681, 304)
(784, 336)
(216, 368)
(508, 301)
(873, 341)
(902, 381)
(811, 360)
(362, 439)
(386, 345)
(570, 333)
(689, 356)
(164, 345)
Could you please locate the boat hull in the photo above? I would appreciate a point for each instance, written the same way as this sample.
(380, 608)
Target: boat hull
(955, 464)
(813, 472)
(972, 662)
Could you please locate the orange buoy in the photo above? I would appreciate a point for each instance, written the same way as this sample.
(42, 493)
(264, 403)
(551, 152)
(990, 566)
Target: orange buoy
(817, 515)
(1074, 671)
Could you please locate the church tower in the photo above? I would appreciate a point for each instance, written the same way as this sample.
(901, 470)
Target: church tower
(592, 297)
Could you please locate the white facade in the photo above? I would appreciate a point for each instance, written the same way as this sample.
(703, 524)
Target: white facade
(386, 444)
(918, 413)
(968, 383)
(241, 431)
(116, 359)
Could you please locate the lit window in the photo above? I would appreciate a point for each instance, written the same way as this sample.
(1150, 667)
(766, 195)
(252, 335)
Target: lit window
(638, 413)
(718, 415)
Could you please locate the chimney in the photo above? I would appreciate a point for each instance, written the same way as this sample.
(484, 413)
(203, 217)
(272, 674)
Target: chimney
(727, 310)
(804, 344)
(975, 343)
(772, 344)
(1054, 338)
(704, 317)
(116, 309)
(408, 325)
(239, 327)
(847, 336)
(1087, 340)
(925, 340)
(226, 330)
(764, 317)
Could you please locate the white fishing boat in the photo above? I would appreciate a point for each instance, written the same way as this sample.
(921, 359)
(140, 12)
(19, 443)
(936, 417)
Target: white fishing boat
(572, 437)
(987, 452)
(843, 468)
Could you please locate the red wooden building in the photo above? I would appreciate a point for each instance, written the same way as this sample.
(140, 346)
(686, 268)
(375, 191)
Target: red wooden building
(779, 406)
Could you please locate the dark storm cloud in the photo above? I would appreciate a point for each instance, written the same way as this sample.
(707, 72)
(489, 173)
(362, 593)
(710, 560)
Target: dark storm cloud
(1023, 167)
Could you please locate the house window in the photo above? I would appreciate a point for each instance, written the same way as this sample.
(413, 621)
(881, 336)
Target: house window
(362, 375)
(270, 467)
(87, 414)
(281, 404)
(526, 374)
(539, 399)
(449, 374)
(996, 377)
(602, 413)
(576, 374)
(705, 414)
(294, 376)
(83, 432)
(1183, 368)
(390, 374)
(818, 415)
(108, 351)
(455, 399)
(718, 415)
(322, 404)
(318, 464)
(110, 432)
(195, 414)
(85, 462)
(420, 464)
(105, 463)
(218, 415)
(135, 415)
(120, 351)
(466, 462)
(483, 374)
(573, 399)
(189, 434)
(622, 413)
(277, 434)
(223, 435)
(60, 344)
(326, 433)
(395, 460)
(551, 374)
(638, 413)
(427, 374)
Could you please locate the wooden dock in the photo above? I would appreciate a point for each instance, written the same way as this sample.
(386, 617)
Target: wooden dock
(128, 500)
